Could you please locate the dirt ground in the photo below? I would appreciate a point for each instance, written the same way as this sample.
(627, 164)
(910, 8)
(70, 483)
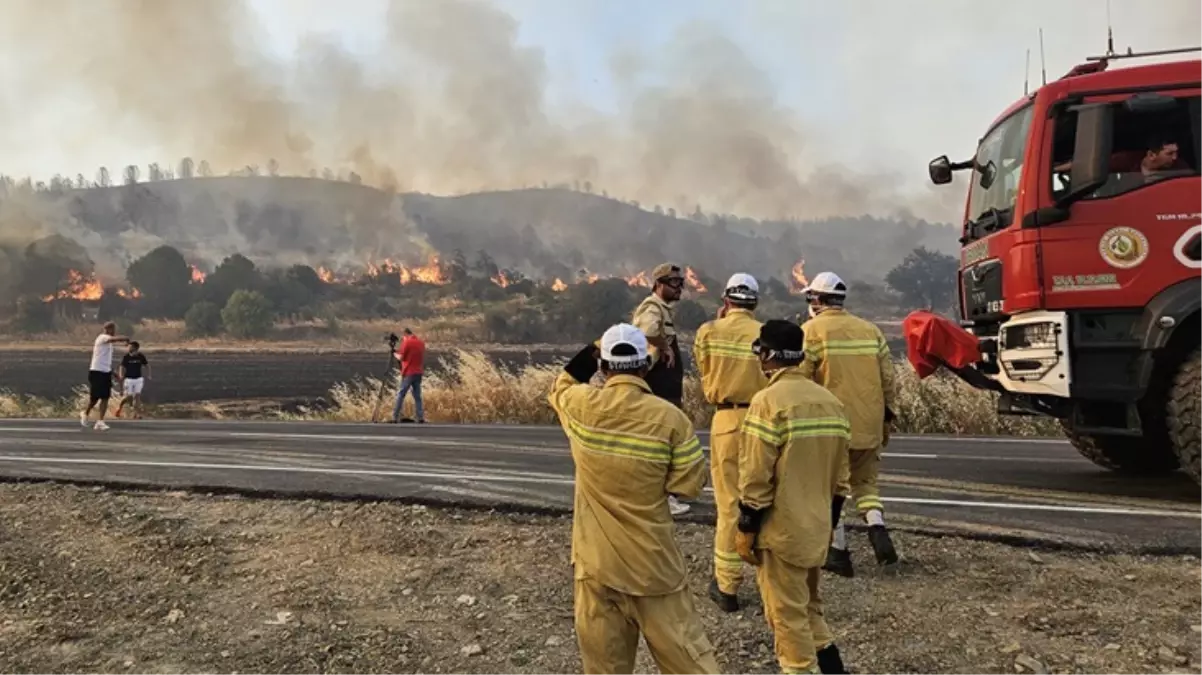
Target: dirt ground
(100, 581)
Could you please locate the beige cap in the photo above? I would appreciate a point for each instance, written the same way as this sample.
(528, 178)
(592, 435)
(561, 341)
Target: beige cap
(666, 271)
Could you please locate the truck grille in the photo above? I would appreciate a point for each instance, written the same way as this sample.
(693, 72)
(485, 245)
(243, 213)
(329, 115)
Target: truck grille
(982, 287)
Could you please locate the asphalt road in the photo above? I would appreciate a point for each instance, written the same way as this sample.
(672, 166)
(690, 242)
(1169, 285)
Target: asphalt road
(1023, 490)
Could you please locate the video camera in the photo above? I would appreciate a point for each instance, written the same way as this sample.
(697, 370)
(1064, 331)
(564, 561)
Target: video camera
(392, 341)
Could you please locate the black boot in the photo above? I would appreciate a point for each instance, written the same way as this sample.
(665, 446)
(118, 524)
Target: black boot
(829, 660)
(882, 545)
(838, 560)
(725, 601)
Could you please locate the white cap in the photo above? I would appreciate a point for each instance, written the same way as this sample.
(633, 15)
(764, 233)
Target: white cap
(624, 334)
(827, 283)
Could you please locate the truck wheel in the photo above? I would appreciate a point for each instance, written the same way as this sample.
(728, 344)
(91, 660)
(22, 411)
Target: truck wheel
(1123, 454)
(1184, 411)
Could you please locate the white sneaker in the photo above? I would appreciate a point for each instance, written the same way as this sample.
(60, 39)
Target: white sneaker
(83, 420)
(676, 507)
(101, 426)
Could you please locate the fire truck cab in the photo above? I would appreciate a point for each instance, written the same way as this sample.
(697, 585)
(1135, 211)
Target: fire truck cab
(1079, 272)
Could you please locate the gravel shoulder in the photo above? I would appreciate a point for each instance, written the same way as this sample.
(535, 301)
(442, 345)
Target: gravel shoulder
(93, 580)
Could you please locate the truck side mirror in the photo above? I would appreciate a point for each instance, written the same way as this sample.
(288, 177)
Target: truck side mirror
(1091, 153)
(940, 170)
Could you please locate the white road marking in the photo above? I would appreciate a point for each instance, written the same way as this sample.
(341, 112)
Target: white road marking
(497, 428)
(290, 469)
(485, 477)
(1046, 507)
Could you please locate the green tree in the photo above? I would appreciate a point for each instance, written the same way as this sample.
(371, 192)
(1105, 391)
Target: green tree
(925, 278)
(247, 315)
(203, 319)
(586, 310)
(164, 280)
(235, 273)
(285, 290)
(307, 276)
(33, 316)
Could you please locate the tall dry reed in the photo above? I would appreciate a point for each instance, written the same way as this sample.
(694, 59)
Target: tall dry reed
(472, 389)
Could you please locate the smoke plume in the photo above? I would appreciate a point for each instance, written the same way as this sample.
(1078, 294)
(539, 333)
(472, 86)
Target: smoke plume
(452, 103)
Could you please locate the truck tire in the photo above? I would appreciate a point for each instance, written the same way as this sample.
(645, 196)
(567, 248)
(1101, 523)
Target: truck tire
(1184, 411)
(1122, 454)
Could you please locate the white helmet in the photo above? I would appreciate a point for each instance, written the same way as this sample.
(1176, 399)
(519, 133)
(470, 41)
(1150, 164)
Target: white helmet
(826, 283)
(742, 287)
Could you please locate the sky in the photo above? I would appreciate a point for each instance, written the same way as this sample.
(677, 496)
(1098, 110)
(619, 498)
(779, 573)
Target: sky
(871, 89)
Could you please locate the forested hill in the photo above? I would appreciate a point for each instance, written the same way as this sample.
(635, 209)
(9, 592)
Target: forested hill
(542, 232)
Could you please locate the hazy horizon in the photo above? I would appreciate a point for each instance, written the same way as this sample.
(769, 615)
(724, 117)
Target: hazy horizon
(763, 109)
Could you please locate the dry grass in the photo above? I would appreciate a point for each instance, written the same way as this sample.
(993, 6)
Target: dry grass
(473, 389)
(20, 406)
(476, 390)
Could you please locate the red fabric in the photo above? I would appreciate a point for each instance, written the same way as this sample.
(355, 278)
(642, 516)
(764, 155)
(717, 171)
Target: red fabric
(412, 355)
(933, 341)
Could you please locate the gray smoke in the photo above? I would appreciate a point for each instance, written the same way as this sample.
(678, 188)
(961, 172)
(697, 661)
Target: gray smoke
(453, 103)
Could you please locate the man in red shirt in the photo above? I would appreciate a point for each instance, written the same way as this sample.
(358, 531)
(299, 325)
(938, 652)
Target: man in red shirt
(411, 355)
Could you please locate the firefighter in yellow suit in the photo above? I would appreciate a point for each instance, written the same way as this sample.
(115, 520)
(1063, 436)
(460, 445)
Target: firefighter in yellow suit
(730, 376)
(795, 438)
(850, 357)
(632, 450)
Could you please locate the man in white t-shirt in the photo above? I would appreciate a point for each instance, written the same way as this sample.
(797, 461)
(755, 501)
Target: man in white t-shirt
(100, 375)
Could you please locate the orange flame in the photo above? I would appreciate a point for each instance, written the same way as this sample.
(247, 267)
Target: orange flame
(694, 282)
(504, 279)
(559, 286)
(430, 273)
(641, 279)
(79, 287)
(325, 274)
(131, 293)
(198, 277)
(798, 279)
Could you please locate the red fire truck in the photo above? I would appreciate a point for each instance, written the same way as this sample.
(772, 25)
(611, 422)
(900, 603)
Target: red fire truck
(1080, 268)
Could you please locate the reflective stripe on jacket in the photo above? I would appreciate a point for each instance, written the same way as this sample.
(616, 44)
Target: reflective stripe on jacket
(631, 450)
(795, 442)
(849, 356)
(730, 372)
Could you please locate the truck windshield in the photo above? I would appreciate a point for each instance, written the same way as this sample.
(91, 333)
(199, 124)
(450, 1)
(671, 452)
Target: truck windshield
(991, 206)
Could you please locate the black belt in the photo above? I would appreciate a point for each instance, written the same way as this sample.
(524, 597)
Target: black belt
(732, 406)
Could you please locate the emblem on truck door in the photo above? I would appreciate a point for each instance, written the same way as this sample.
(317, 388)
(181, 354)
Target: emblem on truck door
(1123, 247)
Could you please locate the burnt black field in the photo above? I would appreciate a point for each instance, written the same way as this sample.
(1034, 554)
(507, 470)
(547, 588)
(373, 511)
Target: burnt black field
(187, 376)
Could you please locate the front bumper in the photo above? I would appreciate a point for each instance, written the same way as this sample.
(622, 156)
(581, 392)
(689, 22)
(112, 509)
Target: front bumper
(1032, 355)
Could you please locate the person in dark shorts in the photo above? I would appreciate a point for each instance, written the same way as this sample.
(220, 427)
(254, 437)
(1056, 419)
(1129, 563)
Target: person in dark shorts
(100, 375)
(132, 379)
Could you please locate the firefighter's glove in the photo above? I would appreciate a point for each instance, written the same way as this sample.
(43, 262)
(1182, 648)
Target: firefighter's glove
(749, 527)
(583, 365)
(887, 426)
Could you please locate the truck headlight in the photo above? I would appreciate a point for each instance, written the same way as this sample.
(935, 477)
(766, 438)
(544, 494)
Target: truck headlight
(1030, 336)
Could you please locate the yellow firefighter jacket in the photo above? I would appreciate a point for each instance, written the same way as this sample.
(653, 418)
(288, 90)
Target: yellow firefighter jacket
(654, 317)
(730, 372)
(795, 442)
(631, 450)
(849, 356)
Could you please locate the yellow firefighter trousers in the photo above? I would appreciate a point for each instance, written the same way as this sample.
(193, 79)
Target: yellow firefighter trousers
(724, 469)
(608, 624)
(793, 608)
(860, 481)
